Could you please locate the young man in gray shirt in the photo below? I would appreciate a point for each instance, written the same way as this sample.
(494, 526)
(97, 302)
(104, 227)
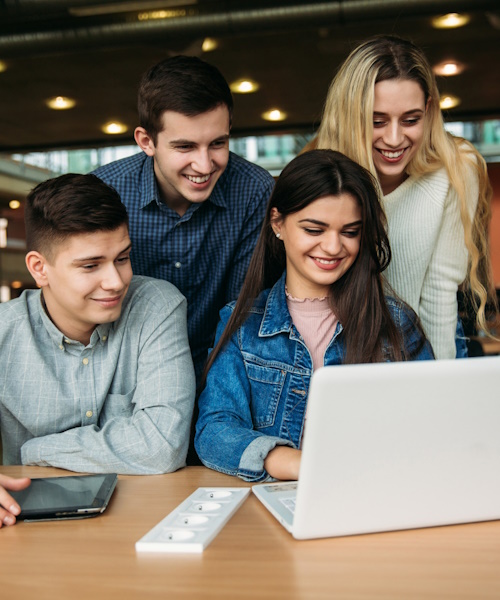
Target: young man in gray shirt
(96, 374)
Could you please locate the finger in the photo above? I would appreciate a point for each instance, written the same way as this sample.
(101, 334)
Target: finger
(6, 500)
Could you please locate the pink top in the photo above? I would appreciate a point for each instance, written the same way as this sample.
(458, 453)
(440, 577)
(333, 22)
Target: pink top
(315, 322)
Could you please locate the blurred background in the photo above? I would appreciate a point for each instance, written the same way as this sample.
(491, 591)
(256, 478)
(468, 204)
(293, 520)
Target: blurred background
(69, 71)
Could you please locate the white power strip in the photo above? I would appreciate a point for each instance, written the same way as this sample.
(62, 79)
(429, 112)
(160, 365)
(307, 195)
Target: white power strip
(193, 524)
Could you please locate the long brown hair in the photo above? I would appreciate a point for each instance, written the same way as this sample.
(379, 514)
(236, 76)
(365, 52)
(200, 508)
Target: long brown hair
(357, 298)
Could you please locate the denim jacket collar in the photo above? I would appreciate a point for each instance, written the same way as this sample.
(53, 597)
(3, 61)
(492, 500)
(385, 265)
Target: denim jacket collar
(277, 318)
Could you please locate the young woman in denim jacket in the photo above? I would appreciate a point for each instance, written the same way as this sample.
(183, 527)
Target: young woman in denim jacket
(320, 255)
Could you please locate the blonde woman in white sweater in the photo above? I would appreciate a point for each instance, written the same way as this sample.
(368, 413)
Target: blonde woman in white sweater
(382, 110)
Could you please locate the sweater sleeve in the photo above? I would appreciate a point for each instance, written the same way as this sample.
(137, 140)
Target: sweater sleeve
(447, 269)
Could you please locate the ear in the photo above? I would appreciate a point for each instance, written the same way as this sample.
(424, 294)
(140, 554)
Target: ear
(144, 141)
(276, 220)
(37, 266)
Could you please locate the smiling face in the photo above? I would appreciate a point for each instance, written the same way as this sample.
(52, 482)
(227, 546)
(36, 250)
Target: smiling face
(321, 243)
(190, 155)
(85, 283)
(398, 129)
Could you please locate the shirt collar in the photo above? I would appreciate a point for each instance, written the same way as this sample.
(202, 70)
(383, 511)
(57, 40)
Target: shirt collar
(149, 188)
(276, 318)
(100, 333)
(150, 192)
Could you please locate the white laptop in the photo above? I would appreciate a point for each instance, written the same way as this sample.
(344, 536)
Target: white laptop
(395, 446)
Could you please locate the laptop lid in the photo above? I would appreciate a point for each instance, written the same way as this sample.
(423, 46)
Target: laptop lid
(400, 445)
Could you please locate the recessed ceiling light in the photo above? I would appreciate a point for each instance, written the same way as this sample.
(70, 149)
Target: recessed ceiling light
(154, 15)
(114, 127)
(14, 204)
(244, 86)
(448, 68)
(448, 101)
(274, 115)
(209, 44)
(3, 66)
(450, 21)
(60, 103)
(122, 7)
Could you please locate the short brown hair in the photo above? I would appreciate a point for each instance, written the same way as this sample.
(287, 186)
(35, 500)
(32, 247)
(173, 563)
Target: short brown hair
(68, 205)
(183, 84)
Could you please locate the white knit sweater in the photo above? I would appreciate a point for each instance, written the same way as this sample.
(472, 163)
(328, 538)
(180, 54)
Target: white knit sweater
(429, 257)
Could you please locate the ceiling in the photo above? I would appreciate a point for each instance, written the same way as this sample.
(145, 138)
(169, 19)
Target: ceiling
(95, 52)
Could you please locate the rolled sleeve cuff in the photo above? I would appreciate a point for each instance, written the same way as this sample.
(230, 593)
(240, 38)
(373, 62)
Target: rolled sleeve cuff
(31, 453)
(251, 467)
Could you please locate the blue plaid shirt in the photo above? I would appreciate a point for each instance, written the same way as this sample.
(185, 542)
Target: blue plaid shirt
(206, 252)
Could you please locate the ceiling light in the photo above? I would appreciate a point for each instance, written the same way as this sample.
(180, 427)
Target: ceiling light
(15, 285)
(209, 44)
(114, 128)
(14, 204)
(244, 86)
(448, 101)
(161, 14)
(60, 103)
(448, 68)
(123, 7)
(3, 66)
(274, 115)
(450, 21)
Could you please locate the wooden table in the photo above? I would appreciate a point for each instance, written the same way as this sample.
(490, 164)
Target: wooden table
(252, 557)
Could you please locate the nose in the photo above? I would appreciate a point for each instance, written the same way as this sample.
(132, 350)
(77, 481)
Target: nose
(393, 134)
(331, 244)
(202, 161)
(112, 279)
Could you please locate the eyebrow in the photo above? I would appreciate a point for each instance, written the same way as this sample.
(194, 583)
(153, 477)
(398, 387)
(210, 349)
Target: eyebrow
(183, 142)
(91, 258)
(315, 222)
(408, 112)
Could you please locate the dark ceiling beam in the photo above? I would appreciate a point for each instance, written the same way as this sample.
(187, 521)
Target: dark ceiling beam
(320, 14)
(40, 6)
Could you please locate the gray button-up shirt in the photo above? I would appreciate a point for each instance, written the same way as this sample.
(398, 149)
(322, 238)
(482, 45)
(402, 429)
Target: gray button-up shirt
(123, 403)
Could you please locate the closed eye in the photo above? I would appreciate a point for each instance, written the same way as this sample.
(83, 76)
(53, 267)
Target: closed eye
(352, 233)
(312, 231)
(412, 121)
(218, 143)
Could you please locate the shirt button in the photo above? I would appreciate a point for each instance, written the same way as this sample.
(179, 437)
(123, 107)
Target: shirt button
(178, 265)
(61, 347)
(104, 338)
(89, 413)
(85, 361)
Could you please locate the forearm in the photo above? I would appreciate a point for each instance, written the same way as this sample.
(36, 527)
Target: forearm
(143, 444)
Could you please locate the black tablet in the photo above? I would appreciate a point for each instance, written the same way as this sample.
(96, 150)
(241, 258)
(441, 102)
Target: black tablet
(73, 497)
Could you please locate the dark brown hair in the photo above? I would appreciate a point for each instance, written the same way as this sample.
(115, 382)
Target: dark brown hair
(357, 298)
(68, 205)
(183, 84)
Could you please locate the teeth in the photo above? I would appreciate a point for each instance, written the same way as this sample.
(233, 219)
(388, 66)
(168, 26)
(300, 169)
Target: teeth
(323, 261)
(392, 154)
(203, 179)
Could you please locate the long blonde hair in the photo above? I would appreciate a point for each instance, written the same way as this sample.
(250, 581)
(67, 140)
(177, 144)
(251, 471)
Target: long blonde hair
(347, 126)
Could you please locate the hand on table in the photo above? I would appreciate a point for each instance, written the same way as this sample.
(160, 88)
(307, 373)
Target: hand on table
(283, 463)
(9, 508)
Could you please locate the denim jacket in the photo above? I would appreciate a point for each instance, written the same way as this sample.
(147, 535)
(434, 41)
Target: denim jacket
(256, 392)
